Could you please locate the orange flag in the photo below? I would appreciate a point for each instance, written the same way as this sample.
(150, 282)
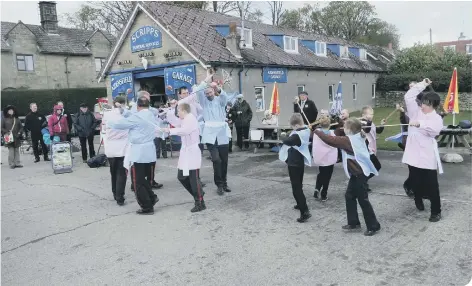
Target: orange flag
(275, 101)
(451, 103)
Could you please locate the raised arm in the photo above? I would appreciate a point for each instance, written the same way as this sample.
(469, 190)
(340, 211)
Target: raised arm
(122, 124)
(172, 119)
(410, 98)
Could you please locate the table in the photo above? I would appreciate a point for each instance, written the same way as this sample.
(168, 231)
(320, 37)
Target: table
(461, 136)
(262, 140)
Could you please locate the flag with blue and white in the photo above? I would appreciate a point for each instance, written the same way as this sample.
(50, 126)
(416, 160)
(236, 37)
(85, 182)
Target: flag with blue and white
(337, 106)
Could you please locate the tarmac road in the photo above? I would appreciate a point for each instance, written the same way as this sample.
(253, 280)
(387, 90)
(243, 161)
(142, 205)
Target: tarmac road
(67, 230)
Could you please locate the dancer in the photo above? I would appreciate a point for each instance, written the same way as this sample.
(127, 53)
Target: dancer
(339, 130)
(296, 154)
(357, 166)
(371, 135)
(325, 157)
(142, 156)
(115, 143)
(421, 152)
(190, 159)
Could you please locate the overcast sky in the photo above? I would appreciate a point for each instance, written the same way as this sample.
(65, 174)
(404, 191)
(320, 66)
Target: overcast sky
(413, 19)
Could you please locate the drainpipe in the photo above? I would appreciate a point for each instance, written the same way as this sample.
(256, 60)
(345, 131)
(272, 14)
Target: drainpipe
(241, 79)
(67, 71)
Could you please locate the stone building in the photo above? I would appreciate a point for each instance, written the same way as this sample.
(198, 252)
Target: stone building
(49, 56)
(164, 47)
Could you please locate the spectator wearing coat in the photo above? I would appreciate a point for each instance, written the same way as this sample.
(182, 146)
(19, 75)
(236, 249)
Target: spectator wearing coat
(242, 116)
(308, 108)
(34, 123)
(11, 127)
(69, 120)
(57, 124)
(229, 119)
(85, 123)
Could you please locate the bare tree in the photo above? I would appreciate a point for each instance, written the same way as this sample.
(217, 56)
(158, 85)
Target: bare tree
(225, 7)
(115, 13)
(277, 11)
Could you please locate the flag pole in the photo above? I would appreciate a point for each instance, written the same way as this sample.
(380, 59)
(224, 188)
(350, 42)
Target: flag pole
(453, 124)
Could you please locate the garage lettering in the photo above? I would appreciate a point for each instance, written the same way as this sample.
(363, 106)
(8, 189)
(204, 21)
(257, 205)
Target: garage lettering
(182, 77)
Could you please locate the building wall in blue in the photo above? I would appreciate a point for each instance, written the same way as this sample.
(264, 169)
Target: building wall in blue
(311, 45)
(223, 30)
(278, 40)
(354, 51)
(334, 48)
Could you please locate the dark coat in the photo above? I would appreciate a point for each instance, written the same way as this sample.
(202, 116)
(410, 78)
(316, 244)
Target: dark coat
(7, 126)
(241, 114)
(85, 123)
(34, 122)
(309, 109)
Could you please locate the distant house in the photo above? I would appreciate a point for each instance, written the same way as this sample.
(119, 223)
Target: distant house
(164, 47)
(49, 56)
(460, 46)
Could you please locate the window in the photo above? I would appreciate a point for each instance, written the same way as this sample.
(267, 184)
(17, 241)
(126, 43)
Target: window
(373, 90)
(321, 49)
(25, 62)
(260, 102)
(291, 44)
(247, 38)
(331, 93)
(468, 49)
(344, 51)
(354, 91)
(300, 88)
(99, 63)
(363, 54)
(451, 48)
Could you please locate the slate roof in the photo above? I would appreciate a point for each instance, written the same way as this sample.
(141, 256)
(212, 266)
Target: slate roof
(67, 41)
(194, 28)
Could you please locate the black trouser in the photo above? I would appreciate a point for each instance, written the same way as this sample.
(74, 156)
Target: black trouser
(340, 156)
(141, 175)
(242, 131)
(357, 193)
(83, 146)
(408, 183)
(34, 141)
(201, 145)
(160, 147)
(149, 176)
(192, 183)
(424, 182)
(376, 162)
(296, 179)
(219, 157)
(118, 178)
(323, 178)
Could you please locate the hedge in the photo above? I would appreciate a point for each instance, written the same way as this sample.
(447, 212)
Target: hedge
(46, 98)
(441, 80)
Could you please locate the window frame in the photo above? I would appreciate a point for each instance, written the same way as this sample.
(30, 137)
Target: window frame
(452, 47)
(324, 49)
(291, 38)
(25, 62)
(298, 88)
(363, 54)
(373, 90)
(343, 49)
(468, 46)
(354, 91)
(263, 98)
(102, 63)
(246, 41)
(331, 97)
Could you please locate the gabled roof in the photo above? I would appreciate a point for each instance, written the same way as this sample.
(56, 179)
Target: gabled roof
(195, 30)
(67, 41)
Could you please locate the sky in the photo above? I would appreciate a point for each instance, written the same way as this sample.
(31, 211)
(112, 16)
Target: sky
(446, 19)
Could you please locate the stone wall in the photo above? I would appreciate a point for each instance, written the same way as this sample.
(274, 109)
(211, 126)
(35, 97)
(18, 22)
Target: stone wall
(390, 98)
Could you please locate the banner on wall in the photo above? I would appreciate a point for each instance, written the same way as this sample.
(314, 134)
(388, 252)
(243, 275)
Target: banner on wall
(146, 38)
(122, 84)
(271, 75)
(174, 78)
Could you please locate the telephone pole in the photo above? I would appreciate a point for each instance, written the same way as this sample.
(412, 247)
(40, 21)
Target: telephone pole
(430, 36)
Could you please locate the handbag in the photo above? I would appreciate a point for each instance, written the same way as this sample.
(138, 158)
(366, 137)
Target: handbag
(8, 137)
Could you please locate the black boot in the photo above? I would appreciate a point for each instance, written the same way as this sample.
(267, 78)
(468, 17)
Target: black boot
(198, 207)
(304, 217)
(220, 191)
(156, 185)
(46, 158)
(435, 218)
(203, 204)
(228, 190)
(36, 160)
(351, 227)
(145, 212)
(419, 204)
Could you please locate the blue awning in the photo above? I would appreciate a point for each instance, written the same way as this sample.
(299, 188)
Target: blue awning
(149, 74)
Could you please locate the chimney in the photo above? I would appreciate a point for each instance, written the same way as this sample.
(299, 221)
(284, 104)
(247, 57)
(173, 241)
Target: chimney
(390, 46)
(232, 41)
(48, 16)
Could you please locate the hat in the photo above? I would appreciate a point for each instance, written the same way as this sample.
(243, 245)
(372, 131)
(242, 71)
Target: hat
(239, 96)
(83, 105)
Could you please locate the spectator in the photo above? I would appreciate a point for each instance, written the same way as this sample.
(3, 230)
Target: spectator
(229, 118)
(57, 124)
(85, 124)
(242, 116)
(34, 123)
(69, 120)
(11, 131)
(308, 107)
